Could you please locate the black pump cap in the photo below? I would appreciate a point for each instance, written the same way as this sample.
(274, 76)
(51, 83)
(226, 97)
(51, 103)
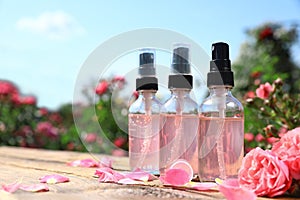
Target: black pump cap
(220, 66)
(147, 64)
(183, 81)
(146, 83)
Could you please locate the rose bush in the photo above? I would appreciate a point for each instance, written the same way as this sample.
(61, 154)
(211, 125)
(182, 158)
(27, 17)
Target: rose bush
(270, 114)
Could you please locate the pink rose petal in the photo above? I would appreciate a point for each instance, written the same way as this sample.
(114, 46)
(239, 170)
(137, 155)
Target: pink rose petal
(54, 178)
(106, 174)
(35, 188)
(11, 188)
(176, 177)
(129, 181)
(140, 175)
(106, 162)
(185, 165)
(232, 191)
(202, 186)
(84, 163)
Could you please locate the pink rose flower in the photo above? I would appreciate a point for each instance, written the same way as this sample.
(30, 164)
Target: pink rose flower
(7, 88)
(264, 90)
(249, 137)
(47, 129)
(43, 111)
(266, 33)
(259, 138)
(135, 94)
(249, 94)
(288, 150)
(272, 140)
(102, 87)
(264, 173)
(119, 81)
(120, 141)
(29, 100)
(90, 137)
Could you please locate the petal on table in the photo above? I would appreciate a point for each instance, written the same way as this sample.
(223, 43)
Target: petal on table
(129, 181)
(140, 175)
(203, 186)
(106, 174)
(232, 191)
(176, 177)
(35, 188)
(11, 188)
(54, 178)
(84, 163)
(106, 162)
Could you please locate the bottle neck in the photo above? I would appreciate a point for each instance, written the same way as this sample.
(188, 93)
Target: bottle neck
(220, 90)
(180, 92)
(147, 94)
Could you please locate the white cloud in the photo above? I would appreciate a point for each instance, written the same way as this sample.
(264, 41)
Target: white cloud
(54, 25)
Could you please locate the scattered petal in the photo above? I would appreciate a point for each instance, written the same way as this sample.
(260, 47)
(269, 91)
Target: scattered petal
(129, 181)
(84, 163)
(176, 177)
(11, 188)
(140, 175)
(106, 162)
(185, 165)
(233, 191)
(35, 188)
(203, 186)
(53, 179)
(106, 174)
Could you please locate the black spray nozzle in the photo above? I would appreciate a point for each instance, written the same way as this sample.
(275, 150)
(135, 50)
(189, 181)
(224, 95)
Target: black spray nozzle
(220, 66)
(147, 79)
(180, 62)
(181, 69)
(220, 51)
(147, 64)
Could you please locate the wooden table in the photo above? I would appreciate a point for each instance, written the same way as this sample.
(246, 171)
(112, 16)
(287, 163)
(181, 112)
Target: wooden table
(30, 164)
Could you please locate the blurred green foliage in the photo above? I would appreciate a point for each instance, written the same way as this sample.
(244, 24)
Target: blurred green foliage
(266, 57)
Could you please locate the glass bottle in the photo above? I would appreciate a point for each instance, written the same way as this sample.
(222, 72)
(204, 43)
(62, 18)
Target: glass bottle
(143, 118)
(179, 116)
(221, 132)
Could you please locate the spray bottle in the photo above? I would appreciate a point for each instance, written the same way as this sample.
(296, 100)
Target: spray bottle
(221, 133)
(179, 116)
(143, 118)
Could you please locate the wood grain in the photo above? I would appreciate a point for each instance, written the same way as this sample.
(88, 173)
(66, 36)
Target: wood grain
(30, 164)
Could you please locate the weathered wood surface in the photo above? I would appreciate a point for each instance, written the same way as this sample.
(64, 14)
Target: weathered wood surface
(30, 164)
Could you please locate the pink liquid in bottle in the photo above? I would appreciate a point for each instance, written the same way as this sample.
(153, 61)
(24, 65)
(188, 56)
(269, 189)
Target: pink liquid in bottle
(220, 149)
(178, 140)
(144, 142)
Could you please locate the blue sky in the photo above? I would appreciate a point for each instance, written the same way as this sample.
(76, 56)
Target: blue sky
(44, 43)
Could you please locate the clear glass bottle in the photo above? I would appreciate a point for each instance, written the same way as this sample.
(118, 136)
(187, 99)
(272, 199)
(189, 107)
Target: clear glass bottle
(179, 116)
(143, 118)
(221, 132)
